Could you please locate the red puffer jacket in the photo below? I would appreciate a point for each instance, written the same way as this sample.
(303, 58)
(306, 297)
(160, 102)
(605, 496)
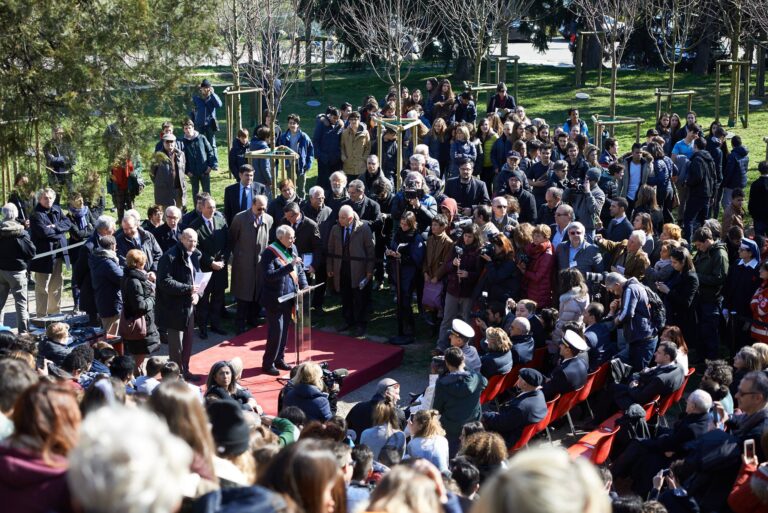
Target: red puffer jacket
(537, 281)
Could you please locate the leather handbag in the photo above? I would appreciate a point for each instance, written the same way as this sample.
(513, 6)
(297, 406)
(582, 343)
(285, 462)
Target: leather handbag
(132, 329)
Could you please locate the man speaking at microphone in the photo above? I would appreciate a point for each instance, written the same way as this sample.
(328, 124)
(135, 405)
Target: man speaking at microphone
(283, 273)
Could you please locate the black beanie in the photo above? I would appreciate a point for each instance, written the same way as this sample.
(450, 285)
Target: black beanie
(229, 428)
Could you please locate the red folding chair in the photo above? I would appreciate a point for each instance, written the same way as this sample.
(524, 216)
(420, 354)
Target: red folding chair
(650, 408)
(564, 405)
(598, 448)
(511, 378)
(585, 391)
(493, 389)
(601, 377)
(532, 430)
(670, 400)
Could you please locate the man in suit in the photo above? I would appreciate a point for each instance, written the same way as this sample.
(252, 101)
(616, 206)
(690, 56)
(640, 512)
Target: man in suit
(308, 242)
(350, 263)
(564, 216)
(283, 272)
(238, 197)
(366, 209)
(529, 407)
(176, 298)
(627, 256)
(571, 373)
(314, 208)
(619, 228)
(577, 252)
(553, 198)
(662, 380)
(248, 237)
(212, 233)
(49, 227)
(467, 190)
(522, 340)
(168, 234)
(132, 236)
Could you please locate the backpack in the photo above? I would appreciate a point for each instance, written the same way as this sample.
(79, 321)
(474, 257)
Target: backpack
(656, 307)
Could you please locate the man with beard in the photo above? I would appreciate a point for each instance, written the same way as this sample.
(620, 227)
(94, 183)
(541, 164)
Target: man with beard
(467, 190)
(372, 173)
(337, 195)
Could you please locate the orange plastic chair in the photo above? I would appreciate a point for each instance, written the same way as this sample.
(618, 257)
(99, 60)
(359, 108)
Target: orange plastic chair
(601, 377)
(650, 408)
(511, 378)
(564, 405)
(585, 391)
(493, 389)
(596, 451)
(539, 355)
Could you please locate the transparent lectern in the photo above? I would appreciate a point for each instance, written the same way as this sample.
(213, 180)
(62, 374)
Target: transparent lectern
(302, 332)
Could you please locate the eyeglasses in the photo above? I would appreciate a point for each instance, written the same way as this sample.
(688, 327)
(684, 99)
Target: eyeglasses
(561, 214)
(739, 392)
(575, 233)
(261, 209)
(499, 206)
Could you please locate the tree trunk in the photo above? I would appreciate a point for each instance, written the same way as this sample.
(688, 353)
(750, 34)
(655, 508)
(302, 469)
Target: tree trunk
(733, 105)
(672, 66)
(614, 83)
(760, 79)
(703, 55)
(236, 119)
(307, 55)
(504, 52)
(465, 67)
(592, 55)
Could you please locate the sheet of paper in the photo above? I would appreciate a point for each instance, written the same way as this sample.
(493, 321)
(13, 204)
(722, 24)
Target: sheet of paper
(307, 259)
(201, 280)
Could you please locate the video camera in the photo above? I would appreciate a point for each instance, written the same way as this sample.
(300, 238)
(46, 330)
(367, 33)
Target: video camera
(457, 227)
(573, 183)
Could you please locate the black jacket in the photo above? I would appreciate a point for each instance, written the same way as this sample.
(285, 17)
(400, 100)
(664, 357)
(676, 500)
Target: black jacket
(48, 232)
(308, 239)
(758, 199)
(570, 375)
(467, 195)
(213, 246)
(17, 246)
(740, 285)
(368, 211)
(660, 380)
(81, 276)
(527, 408)
(360, 417)
(139, 299)
(148, 245)
(174, 287)
(702, 176)
(167, 238)
(233, 197)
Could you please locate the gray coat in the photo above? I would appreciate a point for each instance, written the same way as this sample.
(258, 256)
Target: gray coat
(646, 165)
(588, 258)
(247, 243)
(586, 205)
(162, 176)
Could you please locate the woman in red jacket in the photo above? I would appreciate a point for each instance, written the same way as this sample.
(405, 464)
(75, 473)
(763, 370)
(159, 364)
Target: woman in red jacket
(750, 491)
(759, 306)
(537, 278)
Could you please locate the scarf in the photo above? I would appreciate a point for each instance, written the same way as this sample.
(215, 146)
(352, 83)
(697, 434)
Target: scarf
(81, 216)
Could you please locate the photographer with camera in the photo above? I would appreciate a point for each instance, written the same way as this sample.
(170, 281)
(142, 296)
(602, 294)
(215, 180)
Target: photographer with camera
(502, 277)
(462, 272)
(414, 197)
(586, 199)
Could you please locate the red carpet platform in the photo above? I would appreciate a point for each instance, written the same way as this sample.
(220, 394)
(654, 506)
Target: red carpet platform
(366, 361)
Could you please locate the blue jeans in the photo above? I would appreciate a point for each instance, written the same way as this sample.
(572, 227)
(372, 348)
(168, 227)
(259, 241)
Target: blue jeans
(638, 353)
(197, 180)
(709, 329)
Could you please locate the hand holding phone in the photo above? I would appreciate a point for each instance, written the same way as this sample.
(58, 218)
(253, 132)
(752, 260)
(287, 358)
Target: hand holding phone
(749, 451)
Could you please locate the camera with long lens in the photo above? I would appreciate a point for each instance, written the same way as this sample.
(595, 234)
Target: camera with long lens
(330, 378)
(457, 227)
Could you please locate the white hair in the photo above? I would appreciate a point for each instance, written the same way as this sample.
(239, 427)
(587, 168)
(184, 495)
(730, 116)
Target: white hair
(421, 149)
(640, 235)
(347, 210)
(544, 479)
(105, 222)
(47, 191)
(523, 323)
(138, 470)
(700, 400)
(189, 232)
(262, 198)
(10, 212)
(283, 230)
(173, 210)
(612, 279)
(132, 213)
(419, 158)
(315, 190)
(574, 224)
(340, 175)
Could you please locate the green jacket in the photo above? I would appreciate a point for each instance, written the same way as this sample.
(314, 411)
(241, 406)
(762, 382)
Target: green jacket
(712, 269)
(286, 431)
(457, 398)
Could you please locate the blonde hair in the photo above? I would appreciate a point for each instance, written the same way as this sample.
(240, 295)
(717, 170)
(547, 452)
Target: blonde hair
(543, 230)
(544, 479)
(673, 231)
(463, 131)
(309, 373)
(427, 424)
(762, 352)
(403, 490)
(57, 331)
(497, 340)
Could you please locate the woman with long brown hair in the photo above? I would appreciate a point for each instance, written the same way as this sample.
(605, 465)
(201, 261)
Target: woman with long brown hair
(180, 407)
(33, 461)
(675, 334)
(428, 438)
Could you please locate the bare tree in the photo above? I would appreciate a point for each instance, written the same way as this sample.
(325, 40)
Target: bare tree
(615, 20)
(271, 30)
(390, 35)
(232, 17)
(757, 10)
(472, 25)
(676, 27)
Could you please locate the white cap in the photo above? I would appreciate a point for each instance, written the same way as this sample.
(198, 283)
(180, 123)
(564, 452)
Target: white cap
(575, 341)
(462, 329)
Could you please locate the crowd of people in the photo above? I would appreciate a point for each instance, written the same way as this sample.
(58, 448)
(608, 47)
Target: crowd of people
(506, 235)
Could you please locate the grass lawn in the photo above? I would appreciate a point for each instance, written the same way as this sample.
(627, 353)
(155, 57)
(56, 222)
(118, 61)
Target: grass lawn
(546, 92)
